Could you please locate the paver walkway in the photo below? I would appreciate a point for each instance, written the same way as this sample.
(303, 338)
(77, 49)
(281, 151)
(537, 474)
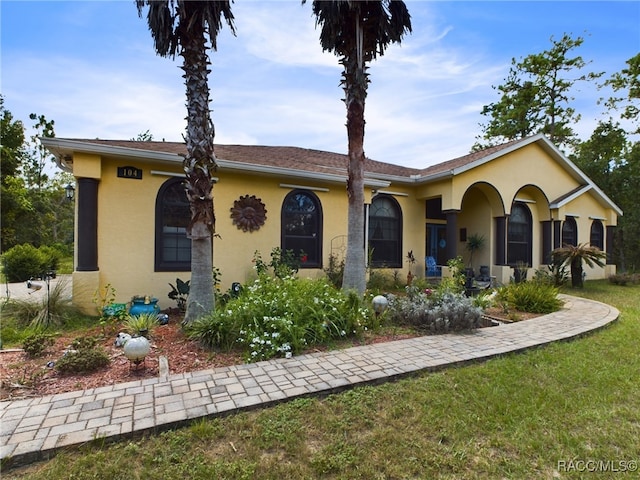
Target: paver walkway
(35, 428)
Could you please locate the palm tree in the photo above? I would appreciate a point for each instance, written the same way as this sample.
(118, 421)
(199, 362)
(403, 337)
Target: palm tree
(357, 32)
(574, 255)
(184, 27)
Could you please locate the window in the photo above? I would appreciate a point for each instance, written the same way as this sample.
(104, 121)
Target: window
(301, 218)
(385, 232)
(596, 238)
(569, 232)
(519, 235)
(173, 248)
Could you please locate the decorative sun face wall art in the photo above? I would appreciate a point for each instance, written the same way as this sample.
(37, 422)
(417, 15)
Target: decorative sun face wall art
(248, 213)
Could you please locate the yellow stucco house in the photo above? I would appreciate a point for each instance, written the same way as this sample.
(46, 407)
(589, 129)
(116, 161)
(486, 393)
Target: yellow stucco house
(525, 197)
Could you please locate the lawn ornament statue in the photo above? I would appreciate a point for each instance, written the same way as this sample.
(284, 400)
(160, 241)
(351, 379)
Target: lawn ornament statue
(135, 348)
(121, 339)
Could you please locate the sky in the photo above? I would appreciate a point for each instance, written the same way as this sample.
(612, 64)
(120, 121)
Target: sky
(91, 67)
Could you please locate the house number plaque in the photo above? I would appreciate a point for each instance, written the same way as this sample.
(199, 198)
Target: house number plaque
(130, 172)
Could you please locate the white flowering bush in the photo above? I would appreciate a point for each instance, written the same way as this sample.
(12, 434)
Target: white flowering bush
(279, 317)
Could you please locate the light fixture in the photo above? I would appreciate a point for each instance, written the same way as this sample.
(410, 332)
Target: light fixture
(69, 191)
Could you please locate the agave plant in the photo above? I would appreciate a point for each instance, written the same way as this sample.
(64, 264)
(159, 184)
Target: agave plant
(574, 255)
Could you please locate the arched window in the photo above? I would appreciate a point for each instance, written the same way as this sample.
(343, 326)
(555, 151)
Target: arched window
(519, 233)
(596, 238)
(301, 219)
(173, 248)
(385, 232)
(569, 232)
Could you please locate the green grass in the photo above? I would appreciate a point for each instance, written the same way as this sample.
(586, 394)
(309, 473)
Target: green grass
(513, 417)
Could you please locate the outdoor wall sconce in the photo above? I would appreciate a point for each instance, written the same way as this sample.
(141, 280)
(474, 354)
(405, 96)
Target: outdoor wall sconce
(69, 191)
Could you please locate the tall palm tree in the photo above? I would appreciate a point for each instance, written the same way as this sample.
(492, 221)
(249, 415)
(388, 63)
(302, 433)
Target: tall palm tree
(184, 27)
(357, 32)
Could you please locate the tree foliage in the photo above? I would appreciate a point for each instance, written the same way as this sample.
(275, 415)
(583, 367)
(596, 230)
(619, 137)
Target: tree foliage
(626, 87)
(34, 205)
(536, 96)
(611, 158)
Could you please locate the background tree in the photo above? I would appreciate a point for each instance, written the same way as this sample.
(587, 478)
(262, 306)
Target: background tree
(145, 136)
(611, 158)
(357, 32)
(184, 27)
(627, 83)
(34, 208)
(536, 97)
(14, 198)
(601, 156)
(34, 168)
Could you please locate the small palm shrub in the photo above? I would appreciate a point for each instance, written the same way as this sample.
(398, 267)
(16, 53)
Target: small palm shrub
(574, 256)
(142, 324)
(435, 311)
(533, 297)
(282, 316)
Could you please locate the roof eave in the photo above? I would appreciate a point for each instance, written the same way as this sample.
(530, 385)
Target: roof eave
(63, 150)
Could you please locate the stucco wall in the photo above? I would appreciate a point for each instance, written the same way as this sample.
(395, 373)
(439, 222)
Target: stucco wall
(126, 217)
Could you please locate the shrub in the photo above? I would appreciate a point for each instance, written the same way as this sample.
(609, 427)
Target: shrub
(35, 344)
(555, 274)
(284, 263)
(381, 281)
(84, 357)
(82, 361)
(335, 271)
(51, 257)
(23, 262)
(624, 278)
(280, 316)
(533, 297)
(435, 311)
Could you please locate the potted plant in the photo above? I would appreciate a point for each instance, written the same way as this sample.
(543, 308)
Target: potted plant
(475, 243)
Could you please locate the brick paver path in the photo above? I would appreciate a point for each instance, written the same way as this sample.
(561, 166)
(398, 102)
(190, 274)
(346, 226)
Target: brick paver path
(34, 428)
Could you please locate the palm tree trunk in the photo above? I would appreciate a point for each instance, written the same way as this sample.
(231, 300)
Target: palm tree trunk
(355, 265)
(199, 165)
(576, 273)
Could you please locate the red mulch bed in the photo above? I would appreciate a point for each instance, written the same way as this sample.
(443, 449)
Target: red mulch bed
(23, 377)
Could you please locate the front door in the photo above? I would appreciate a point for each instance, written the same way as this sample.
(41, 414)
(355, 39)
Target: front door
(437, 242)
